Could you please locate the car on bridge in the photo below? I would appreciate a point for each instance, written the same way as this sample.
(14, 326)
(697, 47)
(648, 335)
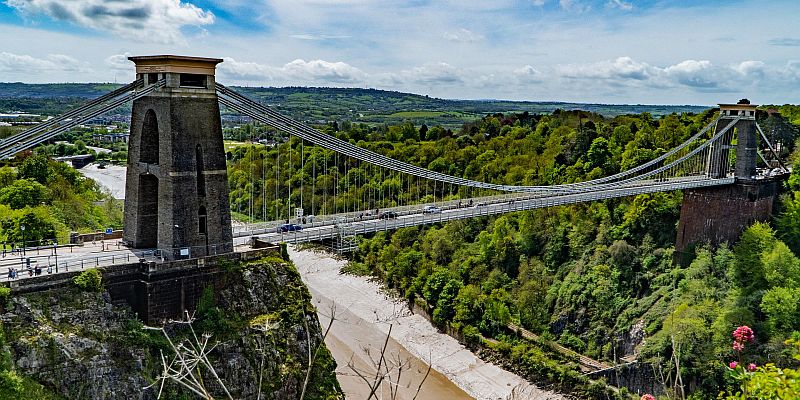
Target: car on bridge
(289, 228)
(388, 215)
(431, 210)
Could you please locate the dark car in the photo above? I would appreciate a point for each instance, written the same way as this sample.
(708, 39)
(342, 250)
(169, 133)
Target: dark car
(388, 215)
(289, 228)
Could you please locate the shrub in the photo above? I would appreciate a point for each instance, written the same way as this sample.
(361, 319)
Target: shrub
(472, 336)
(10, 381)
(89, 280)
(5, 294)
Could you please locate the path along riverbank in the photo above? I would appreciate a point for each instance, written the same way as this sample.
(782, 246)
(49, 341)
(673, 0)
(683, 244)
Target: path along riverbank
(364, 313)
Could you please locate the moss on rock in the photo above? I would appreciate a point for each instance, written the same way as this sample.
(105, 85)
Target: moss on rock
(76, 344)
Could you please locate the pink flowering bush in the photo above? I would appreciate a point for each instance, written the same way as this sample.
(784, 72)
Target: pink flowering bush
(766, 381)
(743, 335)
(648, 397)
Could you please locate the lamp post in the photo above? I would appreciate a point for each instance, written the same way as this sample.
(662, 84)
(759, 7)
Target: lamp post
(22, 228)
(55, 250)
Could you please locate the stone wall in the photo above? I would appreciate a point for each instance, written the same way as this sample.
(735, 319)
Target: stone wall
(718, 215)
(638, 378)
(155, 292)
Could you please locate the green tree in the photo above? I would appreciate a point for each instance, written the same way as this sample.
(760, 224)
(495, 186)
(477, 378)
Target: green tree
(748, 269)
(23, 193)
(469, 305)
(445, 306)
(39, 224)
(782, 309)
(781, 267)
(435, 284)
(787, 223)
(497, 315)
(599, 155)
(35, 167)
(7, 176)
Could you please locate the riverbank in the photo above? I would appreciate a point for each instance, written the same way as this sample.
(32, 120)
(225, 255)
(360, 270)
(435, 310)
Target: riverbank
(363, 307)
(111, 177)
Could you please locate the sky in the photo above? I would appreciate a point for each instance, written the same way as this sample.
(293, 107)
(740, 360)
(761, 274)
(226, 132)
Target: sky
(596, 51)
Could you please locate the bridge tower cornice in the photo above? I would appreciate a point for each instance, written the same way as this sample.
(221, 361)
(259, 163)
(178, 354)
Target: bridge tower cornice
(741, 111)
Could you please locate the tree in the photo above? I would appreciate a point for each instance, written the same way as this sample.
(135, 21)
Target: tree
(748, 269)
(23, 193)
(39, 224)
(435, 284)
(35, 167)
(781, 267)
(497, 314)
(445, 309)
(781, 308)
(599, 155)
(423, 132)
(469, 305)
(787, 223)
(7, 176)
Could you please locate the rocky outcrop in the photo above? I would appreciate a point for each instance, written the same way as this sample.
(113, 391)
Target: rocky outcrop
(81, 346)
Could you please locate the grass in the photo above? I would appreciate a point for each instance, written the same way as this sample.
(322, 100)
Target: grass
(232, 144)
(417, 114)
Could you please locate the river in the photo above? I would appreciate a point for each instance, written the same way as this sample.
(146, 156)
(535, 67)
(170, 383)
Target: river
(364, 314)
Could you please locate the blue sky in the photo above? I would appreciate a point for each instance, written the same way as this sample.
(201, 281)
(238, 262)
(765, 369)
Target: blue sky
(611, 51)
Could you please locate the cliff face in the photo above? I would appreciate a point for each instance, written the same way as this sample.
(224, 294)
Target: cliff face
(79, 345)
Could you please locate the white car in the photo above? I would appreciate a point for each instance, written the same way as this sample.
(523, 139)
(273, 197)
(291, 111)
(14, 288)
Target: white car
(431, 210)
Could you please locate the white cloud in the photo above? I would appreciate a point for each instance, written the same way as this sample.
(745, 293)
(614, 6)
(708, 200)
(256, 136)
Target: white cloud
(158, 21)
(700, 75)
(538, 3)
(620, 4)
(621, 68)
(295, 72)
(528, 74)
(432, 73)
(574, 6)
(23, 63)
(120, 62)
(319, 70)
(750, 67)
(694, 73)
(309, 36)
(463, 35)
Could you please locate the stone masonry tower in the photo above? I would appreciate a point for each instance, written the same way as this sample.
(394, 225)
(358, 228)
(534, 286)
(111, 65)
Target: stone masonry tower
(746, 146)
(717, 215)
(176, 193)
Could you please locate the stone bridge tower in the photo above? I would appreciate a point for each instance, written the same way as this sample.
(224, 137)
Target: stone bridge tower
(717, 215)
(176, 193)
(746, 143)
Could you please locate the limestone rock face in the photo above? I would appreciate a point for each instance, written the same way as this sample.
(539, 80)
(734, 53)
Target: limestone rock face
(81, 346)
(67, 342)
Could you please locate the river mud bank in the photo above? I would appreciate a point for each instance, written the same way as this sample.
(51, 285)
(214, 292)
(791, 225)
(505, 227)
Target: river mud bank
(364, 313)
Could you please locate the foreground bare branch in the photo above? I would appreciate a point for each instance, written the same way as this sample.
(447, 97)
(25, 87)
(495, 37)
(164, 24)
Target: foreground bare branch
(185, 367)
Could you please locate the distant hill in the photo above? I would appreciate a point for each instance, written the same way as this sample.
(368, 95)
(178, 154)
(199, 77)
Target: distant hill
(326, 104)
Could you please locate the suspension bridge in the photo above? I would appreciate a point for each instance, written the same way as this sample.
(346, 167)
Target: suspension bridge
(177, 195)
